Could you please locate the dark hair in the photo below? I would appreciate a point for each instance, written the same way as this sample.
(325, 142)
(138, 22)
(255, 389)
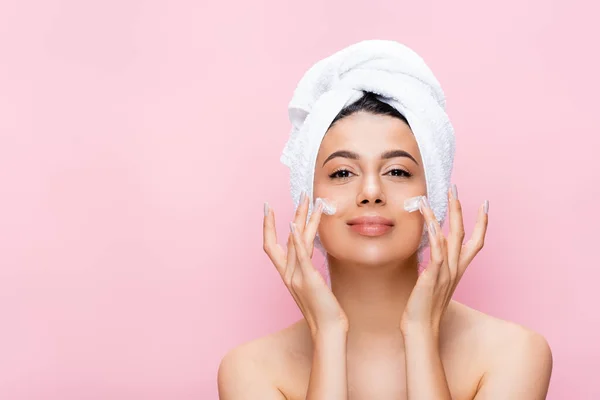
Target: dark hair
(369, 103)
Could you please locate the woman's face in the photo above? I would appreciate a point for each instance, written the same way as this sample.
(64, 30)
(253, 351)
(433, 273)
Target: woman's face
(364, 165)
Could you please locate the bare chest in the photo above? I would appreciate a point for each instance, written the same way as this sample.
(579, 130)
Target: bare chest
(383, 376)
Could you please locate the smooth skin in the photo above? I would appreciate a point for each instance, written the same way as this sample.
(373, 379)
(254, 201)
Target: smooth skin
(383, 331)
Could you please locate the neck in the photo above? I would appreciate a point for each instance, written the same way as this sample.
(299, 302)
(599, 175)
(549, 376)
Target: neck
(373, 296)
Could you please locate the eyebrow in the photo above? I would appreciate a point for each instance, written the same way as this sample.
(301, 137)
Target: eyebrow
(354, 156)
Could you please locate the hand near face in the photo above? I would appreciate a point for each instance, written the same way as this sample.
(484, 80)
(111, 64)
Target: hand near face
(306, 285)
(448, 262)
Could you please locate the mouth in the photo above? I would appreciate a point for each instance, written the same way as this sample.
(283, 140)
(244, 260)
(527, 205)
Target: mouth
(371, 225)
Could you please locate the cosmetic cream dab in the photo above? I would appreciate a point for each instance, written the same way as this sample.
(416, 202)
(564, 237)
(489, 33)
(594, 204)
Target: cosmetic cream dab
(329, 206)
(412, 204)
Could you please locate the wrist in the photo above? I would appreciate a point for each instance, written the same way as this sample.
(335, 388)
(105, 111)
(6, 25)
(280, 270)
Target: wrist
(420, 330)
(333, 332)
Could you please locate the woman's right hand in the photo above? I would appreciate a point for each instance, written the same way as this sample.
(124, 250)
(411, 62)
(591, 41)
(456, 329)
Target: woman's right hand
(316, 301)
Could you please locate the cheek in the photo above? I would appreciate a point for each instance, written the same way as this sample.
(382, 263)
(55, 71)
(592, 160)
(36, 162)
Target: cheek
(333, 235)
(328, 226)
(396, 200)
(409, 229)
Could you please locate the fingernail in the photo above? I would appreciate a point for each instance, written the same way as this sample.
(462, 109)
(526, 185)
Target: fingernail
(432, 228)
(302, 196)
(424, 202)
(266, 208)
(292, 227)
(486, 206)
(454, 192)
(319, 204)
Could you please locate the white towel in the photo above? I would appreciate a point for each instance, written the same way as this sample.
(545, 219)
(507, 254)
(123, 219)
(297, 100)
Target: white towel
(400, 78)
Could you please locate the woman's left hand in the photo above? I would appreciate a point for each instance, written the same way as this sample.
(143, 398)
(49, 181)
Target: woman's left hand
(448, 262)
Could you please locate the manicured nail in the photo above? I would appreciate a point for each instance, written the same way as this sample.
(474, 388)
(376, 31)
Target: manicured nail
(266, 209)
(319, 204)
(302, 196)
(292, 227)
(424, 203)
(486, 206)
(432, 228)
(454, 192)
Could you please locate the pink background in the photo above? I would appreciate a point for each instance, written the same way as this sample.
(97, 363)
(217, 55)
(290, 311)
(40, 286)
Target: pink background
(139, 139)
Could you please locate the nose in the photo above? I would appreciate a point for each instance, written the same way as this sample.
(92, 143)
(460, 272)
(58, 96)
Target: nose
(371, 192)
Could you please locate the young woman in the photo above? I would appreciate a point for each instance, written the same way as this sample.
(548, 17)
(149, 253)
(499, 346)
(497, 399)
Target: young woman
(384, 330)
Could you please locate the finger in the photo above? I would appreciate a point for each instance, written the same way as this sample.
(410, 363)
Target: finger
(435, 236)
(290, 271)
(290, 267)
(304, 260)
(270, 245)
(457, 231)
(436, 257)
(301, 213)
(446, 279)
(313, 223)
(476, 242)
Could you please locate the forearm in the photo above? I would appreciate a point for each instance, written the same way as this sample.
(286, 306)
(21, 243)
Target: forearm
(328, 375)
(425, 377)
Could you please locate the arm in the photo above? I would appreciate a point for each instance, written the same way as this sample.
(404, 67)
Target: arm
(239, 378)
(520, 372)
(425, 377)
(328, 375)
(420, 324)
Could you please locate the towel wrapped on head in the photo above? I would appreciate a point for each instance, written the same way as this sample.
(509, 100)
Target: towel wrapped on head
(400, 78)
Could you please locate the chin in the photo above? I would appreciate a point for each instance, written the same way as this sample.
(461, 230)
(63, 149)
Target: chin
(368, 250)
(375, 252)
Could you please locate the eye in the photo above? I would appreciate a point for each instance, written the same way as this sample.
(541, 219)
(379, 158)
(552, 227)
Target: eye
(400, 172)
(340, 174)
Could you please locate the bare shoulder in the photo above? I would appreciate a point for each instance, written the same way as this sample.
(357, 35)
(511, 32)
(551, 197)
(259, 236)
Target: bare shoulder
(497, 334)
(254, 368)
(512, 352)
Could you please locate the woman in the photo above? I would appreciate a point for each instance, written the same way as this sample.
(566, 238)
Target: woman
(383, 330)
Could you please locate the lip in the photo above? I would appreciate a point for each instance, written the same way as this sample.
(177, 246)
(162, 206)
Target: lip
(371, 220)
(371, 225)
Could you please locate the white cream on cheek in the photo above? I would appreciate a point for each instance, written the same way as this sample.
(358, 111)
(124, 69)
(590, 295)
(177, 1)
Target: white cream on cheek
(329, 206)
(412, 204)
